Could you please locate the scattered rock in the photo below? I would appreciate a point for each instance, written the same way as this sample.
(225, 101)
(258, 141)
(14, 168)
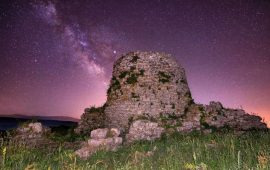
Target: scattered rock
(84, 152)
(31, 134)
(101, 139)
(144, 130)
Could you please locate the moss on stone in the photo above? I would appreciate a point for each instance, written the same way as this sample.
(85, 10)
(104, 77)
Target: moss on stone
(123, 74)
(132, 68)
(203, 121)
(132, 79)
(167, 119)
(134, 58)
(91, 119)
(142, 72)
(133, 95)
(115, 85)
(164, 77)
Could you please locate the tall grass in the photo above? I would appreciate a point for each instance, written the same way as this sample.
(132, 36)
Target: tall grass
(194, 151)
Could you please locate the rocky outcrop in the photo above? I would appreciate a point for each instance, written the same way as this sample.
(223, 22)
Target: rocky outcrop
(91, 119)
(101, 139)
(144, 130)
(146, 84)
(216, 116)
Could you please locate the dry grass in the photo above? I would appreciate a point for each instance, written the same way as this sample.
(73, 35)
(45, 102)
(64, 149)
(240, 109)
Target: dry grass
(215, 151)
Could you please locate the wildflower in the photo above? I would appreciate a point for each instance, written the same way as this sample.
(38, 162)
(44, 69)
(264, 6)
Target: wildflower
(4, 152)
(190, 166)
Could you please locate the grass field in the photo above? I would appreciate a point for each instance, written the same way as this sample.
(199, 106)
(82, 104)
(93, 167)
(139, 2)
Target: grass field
(194, 151)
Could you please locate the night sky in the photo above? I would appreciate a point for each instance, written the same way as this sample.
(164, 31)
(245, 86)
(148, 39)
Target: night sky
(56, 56)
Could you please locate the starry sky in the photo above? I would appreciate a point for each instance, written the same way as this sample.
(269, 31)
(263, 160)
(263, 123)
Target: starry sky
(56, 56)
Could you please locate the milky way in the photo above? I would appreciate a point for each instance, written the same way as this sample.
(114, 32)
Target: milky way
(56, 56)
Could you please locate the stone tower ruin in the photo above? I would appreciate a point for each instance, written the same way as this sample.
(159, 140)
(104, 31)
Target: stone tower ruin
(146, 84)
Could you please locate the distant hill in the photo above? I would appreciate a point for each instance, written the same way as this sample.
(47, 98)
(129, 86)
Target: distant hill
(12, 121)
(61, 118)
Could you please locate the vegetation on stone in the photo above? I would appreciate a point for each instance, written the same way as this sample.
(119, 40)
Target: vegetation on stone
(134, 95)
(134, 59)
(164, 77)
(91, 119)
(142, 72)
(132, 79)
(115, 85)
(123, 74)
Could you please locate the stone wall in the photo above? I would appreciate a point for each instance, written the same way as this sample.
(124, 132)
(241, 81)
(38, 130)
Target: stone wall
(146, 84)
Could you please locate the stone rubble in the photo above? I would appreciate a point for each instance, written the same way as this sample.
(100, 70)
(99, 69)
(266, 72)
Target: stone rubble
(215, 117)
(236, 119)
(30, 134)
(101, 139)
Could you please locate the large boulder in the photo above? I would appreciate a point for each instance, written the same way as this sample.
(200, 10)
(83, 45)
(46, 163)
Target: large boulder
(99, 133)
(147, 84)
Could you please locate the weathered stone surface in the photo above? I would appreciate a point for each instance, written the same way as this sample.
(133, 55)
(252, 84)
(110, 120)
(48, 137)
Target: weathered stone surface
(95, 142)
(35, 127)
(99, 133)
(91, 119)
(191, 120)
(114, 132)
(235, 119)
(101, 139)
(215, 117)
(146, 84)
(85, 152)
(144, 130)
